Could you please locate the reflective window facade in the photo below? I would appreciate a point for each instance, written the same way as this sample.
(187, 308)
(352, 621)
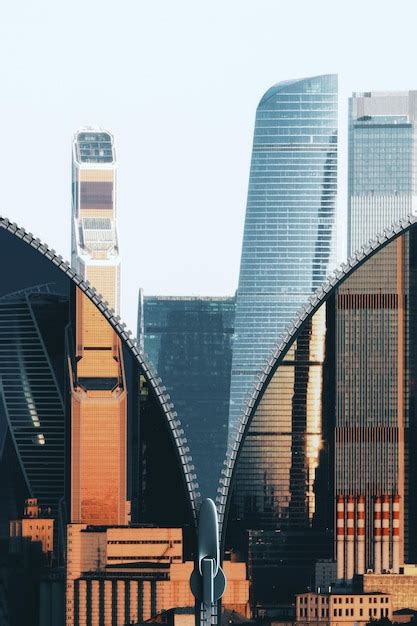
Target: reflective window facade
(382, 176)
(32, 324)
(55, 347)
(329, 451)
(188, 339)
(288, 236)
(375, 395)
(281, 503)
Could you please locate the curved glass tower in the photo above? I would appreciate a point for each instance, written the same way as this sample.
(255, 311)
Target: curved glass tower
(288, 237)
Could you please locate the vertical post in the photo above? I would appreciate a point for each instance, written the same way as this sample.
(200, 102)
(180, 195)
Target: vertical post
(396, 534)
(350, 539)
(360, 536)
(385, 533)
(340, 546)
(377, 535)
(401, 325)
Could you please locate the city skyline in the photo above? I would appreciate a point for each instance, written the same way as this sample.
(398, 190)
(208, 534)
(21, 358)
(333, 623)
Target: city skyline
(342, 210)
(226, 161)
(310, 385)
(213, 93)
(300, 516)
(43, 308)
(331, 423)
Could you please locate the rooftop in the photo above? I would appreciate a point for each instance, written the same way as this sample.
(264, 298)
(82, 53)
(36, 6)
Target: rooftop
(343, 592)
(191, 298)
(103, 528)
(94, 146)
(314, 83)
(384, 105)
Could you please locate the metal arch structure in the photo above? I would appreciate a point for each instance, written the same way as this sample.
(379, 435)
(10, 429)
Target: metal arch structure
(179, 439)
(266, 373)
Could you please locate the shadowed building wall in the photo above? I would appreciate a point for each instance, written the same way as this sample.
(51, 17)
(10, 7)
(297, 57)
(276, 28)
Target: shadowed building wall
(189, 341)
(365, 456)
(281, 504)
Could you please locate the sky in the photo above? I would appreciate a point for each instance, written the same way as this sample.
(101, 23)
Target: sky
(177, 82)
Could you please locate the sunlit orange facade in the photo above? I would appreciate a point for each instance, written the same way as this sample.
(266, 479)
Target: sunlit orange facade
(97, 380)
(33, 527)
(98, 422)
(128, 575)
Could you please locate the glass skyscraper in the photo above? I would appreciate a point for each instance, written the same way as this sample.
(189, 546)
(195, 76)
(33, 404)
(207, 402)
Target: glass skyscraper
(382, 168)
(328, 449)
(281, 506)
(375, 405)
(46, 320)
(32, 323)
(288, 243)
(189, 341)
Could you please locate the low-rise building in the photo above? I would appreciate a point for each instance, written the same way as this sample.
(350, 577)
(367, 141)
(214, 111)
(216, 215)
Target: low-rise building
(401, 587)
(126, 574)
(36, 526)
(342, 609)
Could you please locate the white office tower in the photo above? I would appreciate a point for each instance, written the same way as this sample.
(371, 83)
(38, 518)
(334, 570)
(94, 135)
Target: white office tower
(95, 251)
(382, 162)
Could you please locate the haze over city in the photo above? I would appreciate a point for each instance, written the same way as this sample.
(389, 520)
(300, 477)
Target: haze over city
(178, 85)
(204, 167)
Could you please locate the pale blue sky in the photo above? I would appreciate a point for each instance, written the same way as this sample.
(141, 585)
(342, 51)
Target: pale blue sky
(178, 82)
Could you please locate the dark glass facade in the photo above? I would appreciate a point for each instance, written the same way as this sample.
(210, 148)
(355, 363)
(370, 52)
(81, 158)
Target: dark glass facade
(188, 339)
(36, 314)
(31, 322)
(335, 422)
(288, 241)
(281, 503)
(375, 405)
(38, 342)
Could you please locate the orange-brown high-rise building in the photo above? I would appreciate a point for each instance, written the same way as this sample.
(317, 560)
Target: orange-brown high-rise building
(97, 380)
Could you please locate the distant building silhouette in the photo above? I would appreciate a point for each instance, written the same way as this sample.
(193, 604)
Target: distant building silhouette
(189, 341)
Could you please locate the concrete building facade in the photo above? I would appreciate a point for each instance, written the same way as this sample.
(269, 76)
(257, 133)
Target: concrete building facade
(121, 575)
(342, 609)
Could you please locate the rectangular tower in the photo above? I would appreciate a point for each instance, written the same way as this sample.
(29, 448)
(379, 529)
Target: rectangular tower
(382, 162)
(97, 379)
(189, 341)
(372, 350)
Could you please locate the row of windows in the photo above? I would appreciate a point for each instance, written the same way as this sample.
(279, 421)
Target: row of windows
(142, 557)
(146, 541)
